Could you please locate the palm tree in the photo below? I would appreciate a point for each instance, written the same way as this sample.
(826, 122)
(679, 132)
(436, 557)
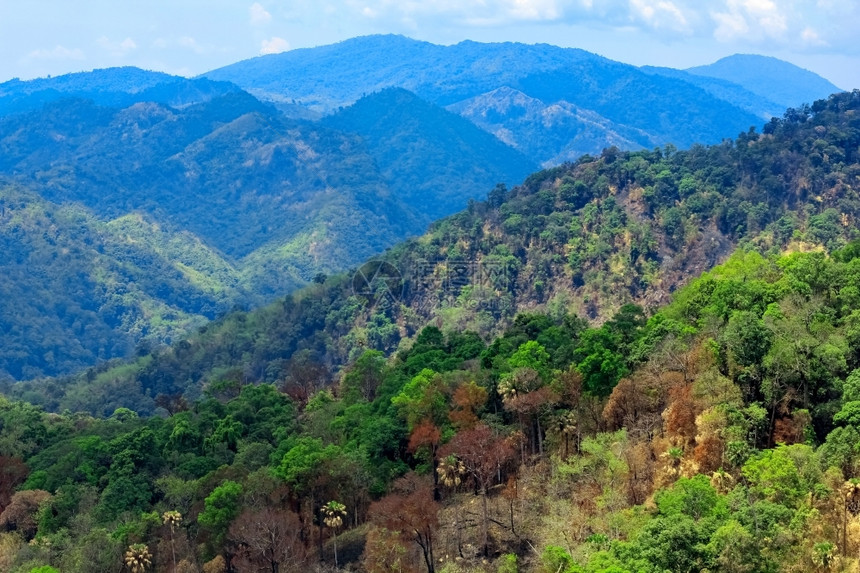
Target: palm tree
(138, 558)
(450, 471)
(173, 519)
(333, 514)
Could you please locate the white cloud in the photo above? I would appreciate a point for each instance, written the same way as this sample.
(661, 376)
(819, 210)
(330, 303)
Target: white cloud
(752, 20)
(191, 44)
(660, 15)
(117, 49)
(274, 45)
(259, 15)
(57, 53)
(810, 37)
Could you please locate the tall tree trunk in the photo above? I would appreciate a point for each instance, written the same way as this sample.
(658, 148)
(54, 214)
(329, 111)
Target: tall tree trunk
(335, 549)
(484, 525)
(539, 434)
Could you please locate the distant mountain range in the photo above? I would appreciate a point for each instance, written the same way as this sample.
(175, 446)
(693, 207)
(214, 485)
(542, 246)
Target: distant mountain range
(168, 201)
(553, 104)
(770, 78)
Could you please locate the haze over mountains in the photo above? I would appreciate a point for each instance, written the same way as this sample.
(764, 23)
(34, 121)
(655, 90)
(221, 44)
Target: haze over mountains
(168, 201)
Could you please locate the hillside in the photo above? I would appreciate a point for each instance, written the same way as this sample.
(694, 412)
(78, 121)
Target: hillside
(731, 92)
(768, 77)
(586, 238)
(717, 432)
(330, 76)
(555, 133)
(273, 201)
(78, 289)
(434, 160)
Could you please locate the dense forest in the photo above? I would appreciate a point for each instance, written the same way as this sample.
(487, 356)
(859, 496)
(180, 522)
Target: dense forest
(581, 425)
(719, 434)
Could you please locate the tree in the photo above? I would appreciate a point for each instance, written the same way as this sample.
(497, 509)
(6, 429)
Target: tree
(468, 399)
(138, 558)
(364, 377)
(333, 513)
(13, 472)
(599, 361)
(410, 511)
(269, 538)
(172, 519)
(221, 508)
(483, 454)
(21, 513)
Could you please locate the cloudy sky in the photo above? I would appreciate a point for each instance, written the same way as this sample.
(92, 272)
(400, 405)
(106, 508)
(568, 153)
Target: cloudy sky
(188, 37)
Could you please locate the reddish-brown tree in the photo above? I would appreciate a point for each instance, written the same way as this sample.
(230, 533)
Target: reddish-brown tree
(467, 400)
(681, 415)
(411, 511)
(304, 377)
(13, 472)
(484, 454)
(20, 514)
(709, 454)
(428, 436)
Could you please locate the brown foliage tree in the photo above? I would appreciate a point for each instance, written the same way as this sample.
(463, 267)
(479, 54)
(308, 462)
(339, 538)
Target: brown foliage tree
(484, 455)
(467, 400)
(411, 512)
(708, 454)
(791, 429)
(13, 472)
(20, 514)
(173, 403)
(681, 414)
(427, 435)
(304, 377)
(635, 404)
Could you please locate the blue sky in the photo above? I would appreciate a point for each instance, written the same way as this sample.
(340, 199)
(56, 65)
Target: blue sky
(188, 37)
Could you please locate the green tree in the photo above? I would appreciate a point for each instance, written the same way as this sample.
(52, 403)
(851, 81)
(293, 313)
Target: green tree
(221, 508)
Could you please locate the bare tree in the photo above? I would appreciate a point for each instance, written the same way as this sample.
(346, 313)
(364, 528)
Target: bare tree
(269, 540)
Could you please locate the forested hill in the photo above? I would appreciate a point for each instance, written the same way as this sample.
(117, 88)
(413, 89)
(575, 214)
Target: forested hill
(432, 158)
(719, 434)
(585, 238)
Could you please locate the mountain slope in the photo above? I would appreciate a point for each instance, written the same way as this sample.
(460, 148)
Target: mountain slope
(434, 160)
(330, 76)
(555, 133)
(584, 238)
(669, 110)
(268, 203)
(728, 91)
(779, 81)
(231, 170)
(77, 289)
